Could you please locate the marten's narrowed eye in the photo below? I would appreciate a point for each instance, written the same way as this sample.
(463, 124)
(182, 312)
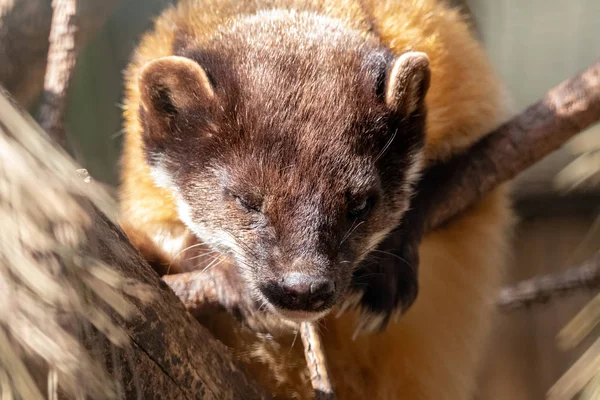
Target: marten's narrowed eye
(361, 209)
(246, 204)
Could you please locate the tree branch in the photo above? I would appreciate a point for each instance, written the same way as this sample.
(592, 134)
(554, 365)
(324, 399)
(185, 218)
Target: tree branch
(541, 289)
(24, 41)
(564, 111)
(62, 56)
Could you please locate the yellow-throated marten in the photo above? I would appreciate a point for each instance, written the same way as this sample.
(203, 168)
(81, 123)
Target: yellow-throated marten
(288, 135)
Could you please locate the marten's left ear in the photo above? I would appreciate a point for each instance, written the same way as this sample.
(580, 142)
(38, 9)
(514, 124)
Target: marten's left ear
(408, 82)
(172, 87)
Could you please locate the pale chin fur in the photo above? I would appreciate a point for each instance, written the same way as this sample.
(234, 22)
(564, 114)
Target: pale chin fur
(299, 316)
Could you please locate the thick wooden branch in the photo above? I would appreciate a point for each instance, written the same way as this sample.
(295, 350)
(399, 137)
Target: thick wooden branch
(183, 350)
(564, 111)
(171, 355)
(24, 31)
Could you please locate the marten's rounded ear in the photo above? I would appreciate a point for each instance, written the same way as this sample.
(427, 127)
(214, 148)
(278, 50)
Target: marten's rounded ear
(408, 82)
(175, 92)
(173, 84)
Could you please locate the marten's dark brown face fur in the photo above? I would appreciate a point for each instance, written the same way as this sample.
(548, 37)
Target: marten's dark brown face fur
(291, 146)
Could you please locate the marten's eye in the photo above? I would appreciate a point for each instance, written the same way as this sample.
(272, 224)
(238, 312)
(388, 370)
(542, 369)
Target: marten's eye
(362, 208)
(246, 204)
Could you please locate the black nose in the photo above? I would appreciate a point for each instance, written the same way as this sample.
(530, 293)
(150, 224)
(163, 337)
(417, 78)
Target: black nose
(300, 292)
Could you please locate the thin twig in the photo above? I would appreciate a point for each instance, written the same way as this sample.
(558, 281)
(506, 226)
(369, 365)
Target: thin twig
(315, 360)
(62, 56)
(541, 289)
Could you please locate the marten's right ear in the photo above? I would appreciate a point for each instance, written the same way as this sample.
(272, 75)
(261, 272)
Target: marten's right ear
(173, 90)
(408, 82)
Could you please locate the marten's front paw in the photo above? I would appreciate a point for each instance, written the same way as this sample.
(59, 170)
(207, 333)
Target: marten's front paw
(385, 286)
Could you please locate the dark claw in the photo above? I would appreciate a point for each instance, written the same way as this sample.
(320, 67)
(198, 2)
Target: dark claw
(387, 282)
(389, 285)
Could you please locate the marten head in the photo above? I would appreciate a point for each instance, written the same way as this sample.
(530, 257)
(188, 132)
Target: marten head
(290, 144)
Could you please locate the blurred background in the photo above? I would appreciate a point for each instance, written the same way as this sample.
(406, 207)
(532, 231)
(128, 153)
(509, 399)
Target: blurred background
(534, 44)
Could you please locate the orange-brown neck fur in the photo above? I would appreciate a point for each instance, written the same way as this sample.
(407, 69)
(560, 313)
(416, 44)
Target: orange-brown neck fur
(434, 350)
